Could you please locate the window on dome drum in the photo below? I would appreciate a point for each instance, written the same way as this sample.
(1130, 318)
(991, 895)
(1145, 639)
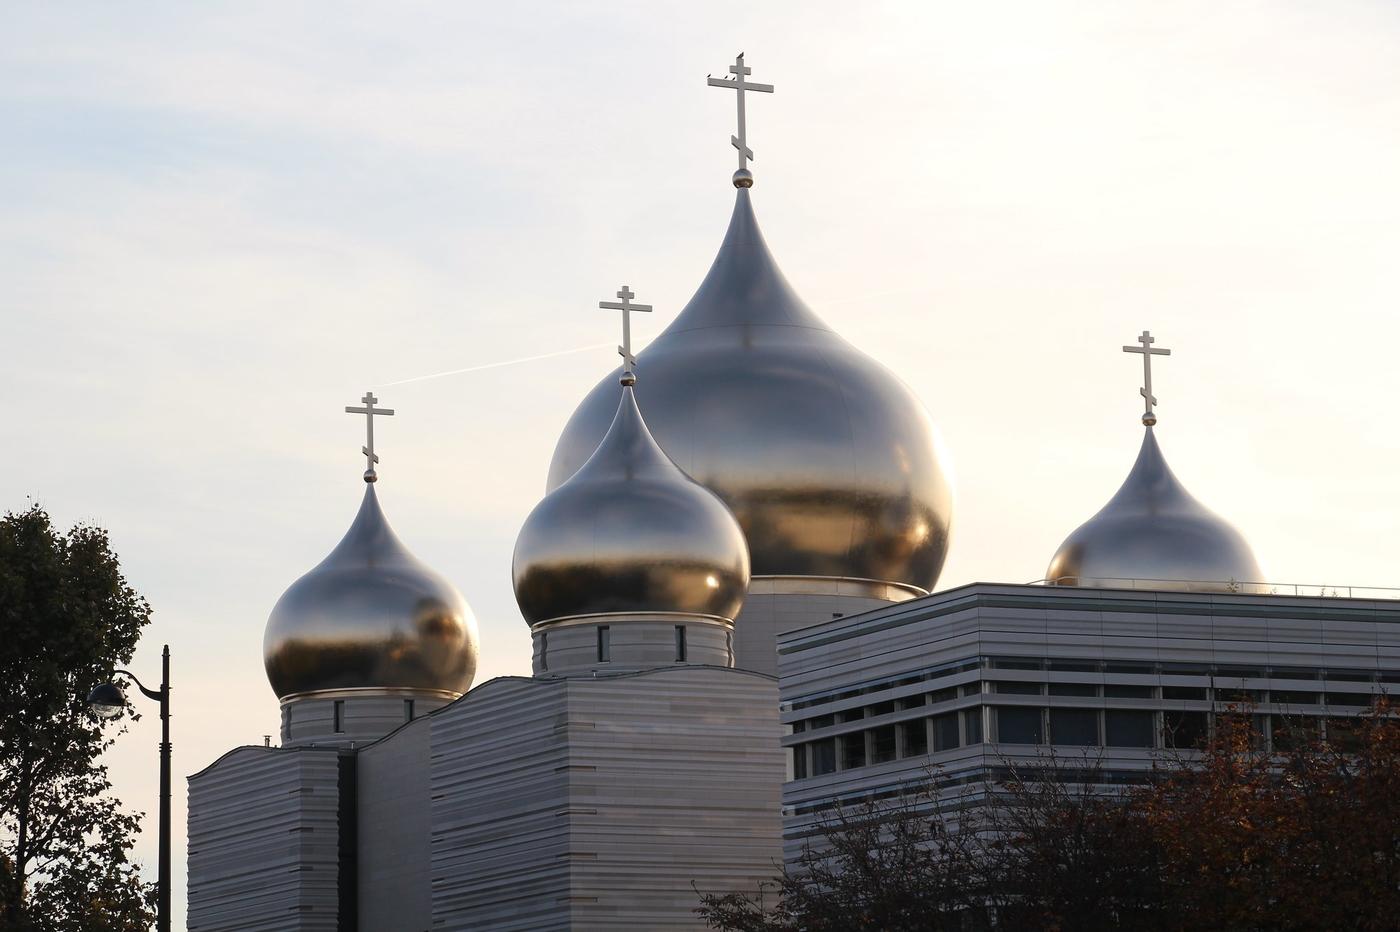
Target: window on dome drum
(1183, 730)
(882, 744)
(1078, 727)
(945, 731)
(823, 756)
(604, 644)
(680, 643)
(338, 716)
(853, 750)
(544, 651)
(1019, 725)
(915, 737)
(972, 726)
(408, 710)
(729, 646)
(286, 720)
(1128, 728)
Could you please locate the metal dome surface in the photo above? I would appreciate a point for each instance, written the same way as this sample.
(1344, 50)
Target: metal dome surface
(1155, 530)
(630, 533)
(370, 616)
(830, 464)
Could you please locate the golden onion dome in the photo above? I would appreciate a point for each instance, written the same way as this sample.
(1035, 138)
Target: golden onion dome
(370, 616)
(830, 464)
(1153, 530)
(629, 533)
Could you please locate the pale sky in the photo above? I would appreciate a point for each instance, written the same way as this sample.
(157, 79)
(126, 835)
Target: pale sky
(223, 222)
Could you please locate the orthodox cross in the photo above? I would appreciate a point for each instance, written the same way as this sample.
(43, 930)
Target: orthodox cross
(369, 411)
(1149, 417)
(629, 362)
(742, 178)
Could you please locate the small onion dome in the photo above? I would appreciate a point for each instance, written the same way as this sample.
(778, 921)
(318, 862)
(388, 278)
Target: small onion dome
(370, 616)
(1153, 529)
(630, 533)
(831, 465)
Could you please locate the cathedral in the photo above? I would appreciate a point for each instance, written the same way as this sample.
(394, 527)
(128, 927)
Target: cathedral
(730, 584)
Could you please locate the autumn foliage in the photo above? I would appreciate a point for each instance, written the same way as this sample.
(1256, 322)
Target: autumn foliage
(1233, 837)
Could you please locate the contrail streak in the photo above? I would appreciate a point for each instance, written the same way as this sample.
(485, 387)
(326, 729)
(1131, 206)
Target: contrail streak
(497, 365)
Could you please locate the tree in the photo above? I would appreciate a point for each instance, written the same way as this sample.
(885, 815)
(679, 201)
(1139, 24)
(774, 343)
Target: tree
(67, 618)
(1231, 836)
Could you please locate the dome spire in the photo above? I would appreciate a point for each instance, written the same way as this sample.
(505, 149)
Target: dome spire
(369, 411)
(629, 362)
(743, 178)
(1149, 416)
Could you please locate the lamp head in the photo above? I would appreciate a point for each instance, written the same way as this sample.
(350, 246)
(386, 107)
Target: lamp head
(107, 700)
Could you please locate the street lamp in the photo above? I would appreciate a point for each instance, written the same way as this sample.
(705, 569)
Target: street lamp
(108, 701)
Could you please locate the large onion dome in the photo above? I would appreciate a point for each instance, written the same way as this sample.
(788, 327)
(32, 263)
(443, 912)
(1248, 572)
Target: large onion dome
(1155, 530)
(630, 533)
(370, 616)
(830, 464)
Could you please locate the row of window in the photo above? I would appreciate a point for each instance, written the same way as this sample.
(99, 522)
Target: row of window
(1289, 697)
(1041, 725)
(1080, 665)
(604, 635)
(338, 714)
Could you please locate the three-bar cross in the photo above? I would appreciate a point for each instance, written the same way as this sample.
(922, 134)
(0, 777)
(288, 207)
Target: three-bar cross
(1149, 417)
(369, 411)
(629, 362)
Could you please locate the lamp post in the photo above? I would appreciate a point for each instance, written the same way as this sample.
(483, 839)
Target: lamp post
(108, 701)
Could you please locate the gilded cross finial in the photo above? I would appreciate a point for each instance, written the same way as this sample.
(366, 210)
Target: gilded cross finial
(629, 362)
(1149, 416)
(369, 411)
(743, 178)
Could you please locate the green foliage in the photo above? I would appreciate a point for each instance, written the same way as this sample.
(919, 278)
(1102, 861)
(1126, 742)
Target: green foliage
(67, 619)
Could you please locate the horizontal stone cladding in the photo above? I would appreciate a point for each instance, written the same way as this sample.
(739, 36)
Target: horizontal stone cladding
(393, 800)
(263, 842)
(766, 615)
(601, 802)
(674, 782)
(499, 843)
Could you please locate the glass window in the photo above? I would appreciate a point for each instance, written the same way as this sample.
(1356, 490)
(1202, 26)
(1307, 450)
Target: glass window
(1183, 729)
(799, 762)
(1186, 669)
(544, 651)
(680, 643)
(912, 702)
(1353, 676)
(882, 744)
(1124, 728)
(821, 721)
(604, 644)
(1074, 666)
(823, 756)
(408, 710)
(1295, 673)
(945, 731)
(1184, 692)
(1294, 731)
(1123, 691)
(1018, 725)
(1122, 667)
(1073, 689)
(972, 726)
(1293, 697)
(1019, 689)
(798, 726)
(915, 737)
(881, 708)
(1343, 734)
(1075, 727)
(853, 750)
(1241, 672)
(970, 689)
(338, 715)
(942, 695)
(1017, 663)
(1357, 699)
(851, 715)
(1239, 696)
